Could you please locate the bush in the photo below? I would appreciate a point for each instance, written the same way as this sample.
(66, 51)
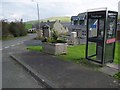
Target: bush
(14, 30)
(21, 28)
(44, 40)
(55, 35)
(117, 76)
(5, 29)
(61, 41)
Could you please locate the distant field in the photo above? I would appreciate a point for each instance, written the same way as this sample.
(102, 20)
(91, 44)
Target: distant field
(62, 19)
(28, 26)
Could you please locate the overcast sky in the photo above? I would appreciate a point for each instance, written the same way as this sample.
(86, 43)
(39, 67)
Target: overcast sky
(26, 9)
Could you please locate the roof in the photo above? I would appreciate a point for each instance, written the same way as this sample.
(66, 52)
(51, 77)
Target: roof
(82, 16)
(47, 23)
(72, 27)
(65, 24)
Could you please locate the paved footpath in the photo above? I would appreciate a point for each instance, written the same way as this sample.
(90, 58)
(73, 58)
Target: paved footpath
(58, 73)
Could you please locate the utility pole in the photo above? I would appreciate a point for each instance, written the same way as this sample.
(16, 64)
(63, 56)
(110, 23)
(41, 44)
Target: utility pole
(38, 15)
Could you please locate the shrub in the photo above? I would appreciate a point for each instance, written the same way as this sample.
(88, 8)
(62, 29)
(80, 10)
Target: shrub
(117, 76)
(54, 35)
(44, 40)
(14, 30)
(5, 29)
(17, 29)
(61, 41)
(21, 28)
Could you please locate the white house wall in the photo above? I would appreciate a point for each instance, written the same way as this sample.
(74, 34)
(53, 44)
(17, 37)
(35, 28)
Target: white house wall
(60, 28)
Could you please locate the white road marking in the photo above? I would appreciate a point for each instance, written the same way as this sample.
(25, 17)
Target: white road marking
(12, 45)
(17, 43)
(7, 47)
(0, 49)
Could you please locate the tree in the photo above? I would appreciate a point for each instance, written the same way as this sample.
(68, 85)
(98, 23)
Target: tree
(5, 28)
(17, 28)
(14, 29)
(21, 28)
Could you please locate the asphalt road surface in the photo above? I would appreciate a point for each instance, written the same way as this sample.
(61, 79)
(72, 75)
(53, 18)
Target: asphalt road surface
(13, 75)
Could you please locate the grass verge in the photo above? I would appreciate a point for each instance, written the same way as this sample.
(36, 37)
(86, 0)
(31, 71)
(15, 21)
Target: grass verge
(77, 53)
(117, 53)
(117, 76)
(34, 48)
(10, 38)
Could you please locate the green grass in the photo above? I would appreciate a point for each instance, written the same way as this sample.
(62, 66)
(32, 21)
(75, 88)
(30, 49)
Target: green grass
(117, 51)
(117, 76)
(10, 38)
(74, 53)
(34, 48)
(28, 26)
(7, 38)
(62, 19)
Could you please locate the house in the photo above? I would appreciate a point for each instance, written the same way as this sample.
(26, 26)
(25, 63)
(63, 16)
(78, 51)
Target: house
(49, 26)
(80, 33)
(78, 25)
(80, 19)
(74, 20)
(80, 29)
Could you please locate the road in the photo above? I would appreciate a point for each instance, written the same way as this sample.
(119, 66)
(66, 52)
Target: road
(16, 41)
(13, 75)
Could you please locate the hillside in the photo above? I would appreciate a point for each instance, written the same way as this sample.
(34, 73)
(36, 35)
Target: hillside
(62, 19)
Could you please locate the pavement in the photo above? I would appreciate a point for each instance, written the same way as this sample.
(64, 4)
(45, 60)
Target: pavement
(110, 69)
(56, 73)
